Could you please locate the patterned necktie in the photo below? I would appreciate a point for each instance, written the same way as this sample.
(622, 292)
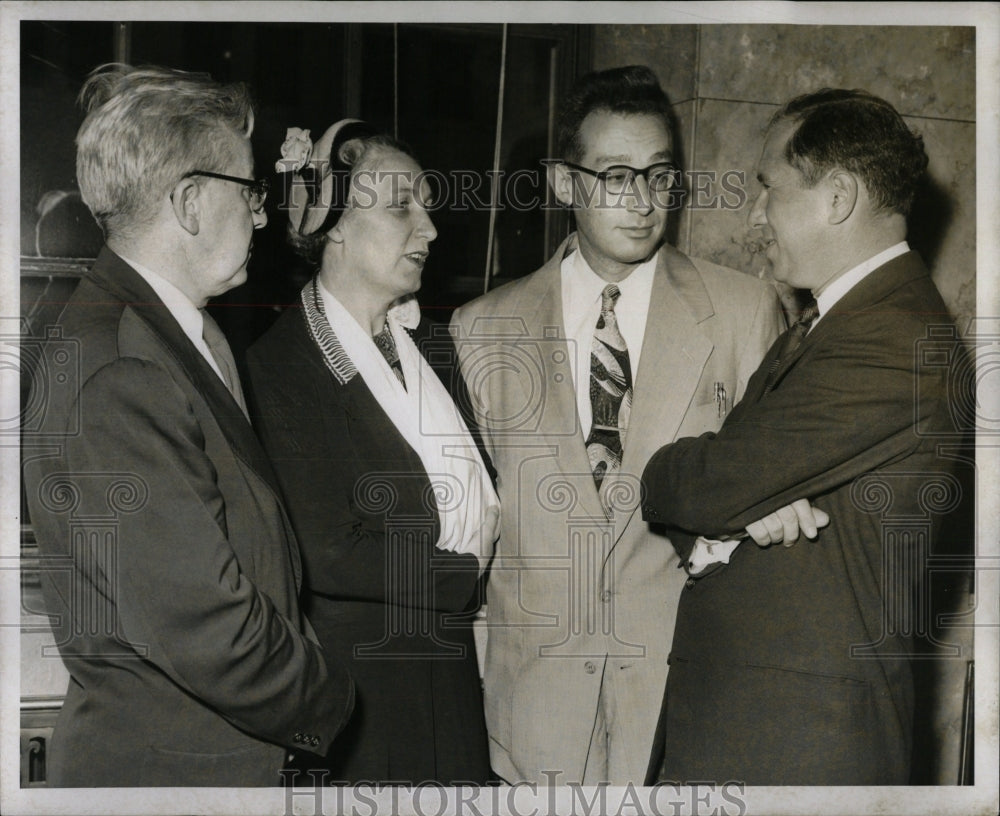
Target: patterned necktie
(793, 338)
(387, 346)
(610, 391)
(223, 356)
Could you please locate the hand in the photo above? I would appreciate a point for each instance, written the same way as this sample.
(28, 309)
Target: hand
(783, 526)
(491, 527)
(487, 536)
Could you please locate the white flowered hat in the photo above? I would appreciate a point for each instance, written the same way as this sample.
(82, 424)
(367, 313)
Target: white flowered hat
(314, 179)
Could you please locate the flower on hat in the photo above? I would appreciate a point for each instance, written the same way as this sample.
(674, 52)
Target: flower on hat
(295, 150)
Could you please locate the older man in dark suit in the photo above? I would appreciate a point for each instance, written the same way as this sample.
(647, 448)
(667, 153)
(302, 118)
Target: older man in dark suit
(791, 666)
(168, 563)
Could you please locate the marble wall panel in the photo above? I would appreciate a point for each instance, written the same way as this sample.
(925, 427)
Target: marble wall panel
(728, 141)
(679, 225)
(670, 50)
(728, 136)
(942, 226)
(926, 71)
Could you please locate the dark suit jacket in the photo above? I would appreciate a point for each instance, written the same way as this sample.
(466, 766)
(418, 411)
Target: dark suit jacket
(168, 563)
(376, 589)
(789, 666)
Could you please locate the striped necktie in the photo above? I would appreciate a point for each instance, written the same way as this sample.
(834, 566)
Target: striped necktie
(792, 340)
(223, 356)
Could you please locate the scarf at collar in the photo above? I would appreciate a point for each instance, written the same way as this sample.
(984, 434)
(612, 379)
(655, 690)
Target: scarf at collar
(425, 416)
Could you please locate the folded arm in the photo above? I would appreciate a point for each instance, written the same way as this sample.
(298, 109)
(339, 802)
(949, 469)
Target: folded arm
(846, 411)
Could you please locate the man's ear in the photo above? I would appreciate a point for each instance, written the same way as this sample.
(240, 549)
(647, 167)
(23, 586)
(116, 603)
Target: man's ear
(561, 182)
(844, 190)
(335, 233)
(185, 200)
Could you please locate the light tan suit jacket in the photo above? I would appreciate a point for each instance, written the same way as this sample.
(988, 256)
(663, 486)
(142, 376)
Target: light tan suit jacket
(576, 601)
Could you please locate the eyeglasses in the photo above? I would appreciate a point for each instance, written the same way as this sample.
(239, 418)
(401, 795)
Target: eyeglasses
(258, 188)
(660, 177)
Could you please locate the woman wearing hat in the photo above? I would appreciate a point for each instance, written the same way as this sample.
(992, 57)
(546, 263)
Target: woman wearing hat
(392, 505)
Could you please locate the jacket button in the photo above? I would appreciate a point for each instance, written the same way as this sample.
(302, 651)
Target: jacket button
(606, 596)
(589, 667)
(690, 582)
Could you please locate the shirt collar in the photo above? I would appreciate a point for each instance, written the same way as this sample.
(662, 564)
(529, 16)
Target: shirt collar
(187, 315)
(588, 285)
(826, 299)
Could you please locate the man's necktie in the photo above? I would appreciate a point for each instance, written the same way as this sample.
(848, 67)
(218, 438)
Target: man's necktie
(223, 356)
(791, 341)
(387, 346)
(610, 391)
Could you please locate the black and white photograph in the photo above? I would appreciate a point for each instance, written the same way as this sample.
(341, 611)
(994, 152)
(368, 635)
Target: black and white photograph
(499, 408)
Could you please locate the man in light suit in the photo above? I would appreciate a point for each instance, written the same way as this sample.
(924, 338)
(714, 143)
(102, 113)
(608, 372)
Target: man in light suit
(168, 563)
(582, 594)
(790, 667)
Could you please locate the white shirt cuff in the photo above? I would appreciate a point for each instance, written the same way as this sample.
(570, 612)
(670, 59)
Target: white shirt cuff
(709, 551)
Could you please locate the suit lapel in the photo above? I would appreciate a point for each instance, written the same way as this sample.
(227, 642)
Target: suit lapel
(113, 274)
(878, 285)
(674, 352)
(872, 289)
(792, 357)
(543, 314)
(678, 303)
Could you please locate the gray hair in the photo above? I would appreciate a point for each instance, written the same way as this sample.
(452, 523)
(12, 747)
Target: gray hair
(145, 128)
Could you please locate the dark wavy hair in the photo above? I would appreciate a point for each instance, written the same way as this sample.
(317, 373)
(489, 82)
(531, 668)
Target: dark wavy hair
(354, 155)
(633, 89)
(858, 132)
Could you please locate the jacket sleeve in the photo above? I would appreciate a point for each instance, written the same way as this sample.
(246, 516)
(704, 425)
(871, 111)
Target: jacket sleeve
(181, 595)
(461, 323)
(338, 498)
(846, 410)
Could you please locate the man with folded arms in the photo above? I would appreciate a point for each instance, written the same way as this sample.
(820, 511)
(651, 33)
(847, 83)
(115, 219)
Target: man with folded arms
(790, 666)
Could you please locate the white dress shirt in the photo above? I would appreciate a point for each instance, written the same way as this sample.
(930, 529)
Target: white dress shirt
(581, 302)
(852, 277)
(187, 315)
